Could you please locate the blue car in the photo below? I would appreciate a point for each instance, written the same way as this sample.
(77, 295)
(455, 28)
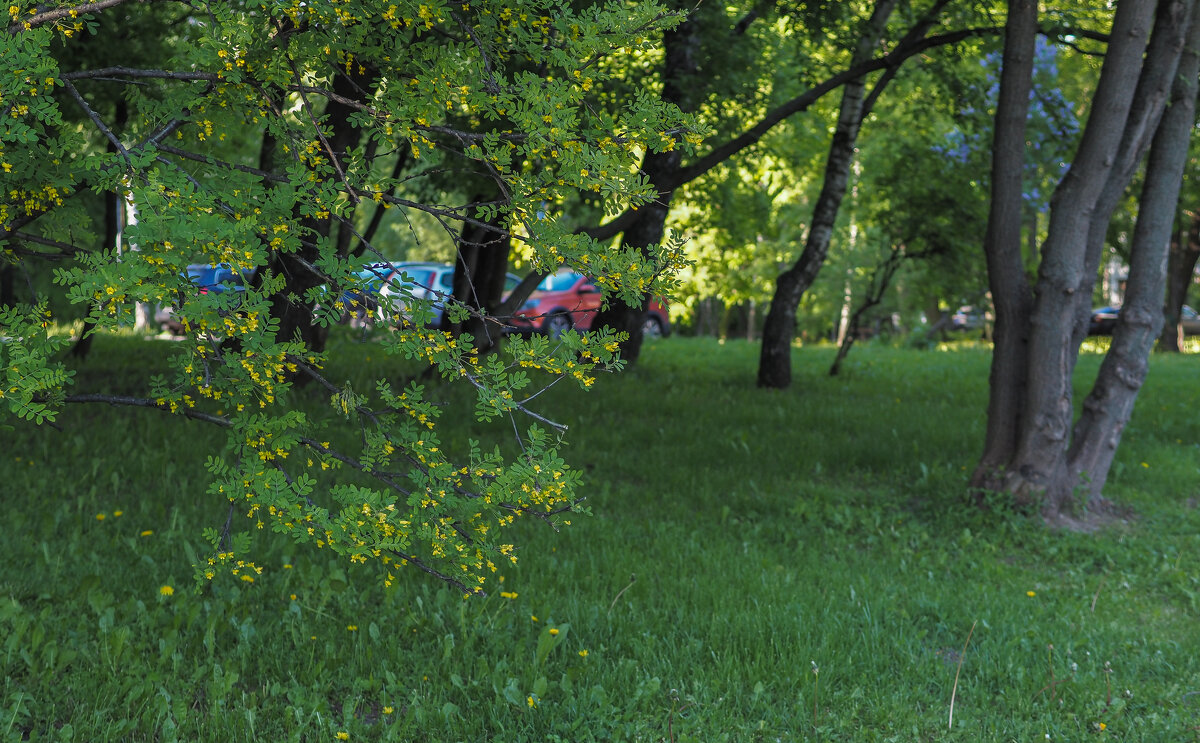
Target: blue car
(216, 279)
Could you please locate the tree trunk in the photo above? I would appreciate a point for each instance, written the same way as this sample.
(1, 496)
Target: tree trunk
(1181, 265)
(1107, 409)
(680, 66)
(479, 274)
(1010, 290)
(775, 358)
(1031, 450)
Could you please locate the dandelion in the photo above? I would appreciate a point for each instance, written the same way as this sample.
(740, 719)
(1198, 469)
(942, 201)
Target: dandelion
(533, 618)
(1102, 727)
(147, 532)
(287, 566)
(101, 516)
(118, 514)
(166, 590)
(388, 710)
(583, 653)
(530, 701)
(352, 627)
(293, 597)
(1031, 594)
(553, 631)
(343, 735)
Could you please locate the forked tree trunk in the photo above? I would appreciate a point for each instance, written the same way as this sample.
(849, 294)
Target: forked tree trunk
(1031, 399)
(1107, 409)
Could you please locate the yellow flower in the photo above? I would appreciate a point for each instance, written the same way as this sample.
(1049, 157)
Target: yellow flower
(1031, 594)
(1103, 727)
(388, 710)
(166, 590)
(118, 514)
(352, 627)
(287, 566)
(507, 595)
(100, 517)
(553, 631)
(342, 735)
(248, 578)
(293, 597)
(533, 617)
(583, 653)
(147, 533)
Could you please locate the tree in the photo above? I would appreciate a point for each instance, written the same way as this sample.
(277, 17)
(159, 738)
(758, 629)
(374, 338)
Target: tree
(253, 141)
(1032, 451)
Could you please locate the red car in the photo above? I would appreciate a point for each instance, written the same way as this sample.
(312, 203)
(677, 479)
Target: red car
(568, 300)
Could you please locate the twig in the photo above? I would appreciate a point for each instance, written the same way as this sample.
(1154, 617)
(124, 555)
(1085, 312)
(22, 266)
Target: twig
(632, 580)
(954, 690)
(1096, 597)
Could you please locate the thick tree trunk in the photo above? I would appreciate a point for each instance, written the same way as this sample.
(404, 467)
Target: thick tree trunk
(1181, 265)
(1010, 290)
(1031, 397)
(1107, 409)
(775, 358)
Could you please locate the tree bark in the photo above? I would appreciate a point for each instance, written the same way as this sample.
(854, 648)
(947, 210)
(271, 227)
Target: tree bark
(1032, 450)
(1010, 290)
(1107, 409)
(775, 358)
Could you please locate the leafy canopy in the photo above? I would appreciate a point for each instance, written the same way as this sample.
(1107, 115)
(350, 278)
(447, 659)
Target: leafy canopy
(253, 137)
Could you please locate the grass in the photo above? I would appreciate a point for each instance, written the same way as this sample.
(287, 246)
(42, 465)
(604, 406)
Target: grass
(739, 539)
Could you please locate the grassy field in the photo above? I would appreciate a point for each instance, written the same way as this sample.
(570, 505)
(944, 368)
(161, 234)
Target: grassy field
(758, 566)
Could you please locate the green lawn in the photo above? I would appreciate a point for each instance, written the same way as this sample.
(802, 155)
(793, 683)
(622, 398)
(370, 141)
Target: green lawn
(738, 538)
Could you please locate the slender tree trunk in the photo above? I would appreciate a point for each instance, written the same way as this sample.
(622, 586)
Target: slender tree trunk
(479, 273)
(1010, 290)
(1107, 409)
(775, 358)
(1181, 264)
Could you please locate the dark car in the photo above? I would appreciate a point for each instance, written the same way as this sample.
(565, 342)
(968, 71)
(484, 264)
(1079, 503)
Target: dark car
(568, 300)
(216, 279)
(1103, 320)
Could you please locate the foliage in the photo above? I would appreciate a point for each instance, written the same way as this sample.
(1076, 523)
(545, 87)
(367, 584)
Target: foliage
(863, 559)
(252, 137)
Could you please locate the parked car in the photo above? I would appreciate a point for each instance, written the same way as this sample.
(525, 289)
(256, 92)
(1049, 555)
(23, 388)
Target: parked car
(1190, 320)
(568, 300)
(1103, 320)
(421, 280)
(216, 279)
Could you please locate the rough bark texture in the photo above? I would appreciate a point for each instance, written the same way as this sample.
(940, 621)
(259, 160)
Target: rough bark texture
(775, 358)
(1107, 409)
(1039, 472)
(1053, 462)
(1181, 263)
(1011, 293)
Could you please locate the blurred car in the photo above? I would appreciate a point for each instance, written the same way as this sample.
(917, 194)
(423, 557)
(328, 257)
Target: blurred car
(1103, 320)
(1190, 320)
(215, 279)
(420, 280)
(967, 318)
(568, 300)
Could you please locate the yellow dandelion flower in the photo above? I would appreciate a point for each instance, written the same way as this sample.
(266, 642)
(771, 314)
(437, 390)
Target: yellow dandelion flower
(1031, 594)
(352, 627)
(147, 532)
(553, 631)
(118, 514)
(343, 735)
(101, 516)
(388, 710)
(166, 590)
(583, 653)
